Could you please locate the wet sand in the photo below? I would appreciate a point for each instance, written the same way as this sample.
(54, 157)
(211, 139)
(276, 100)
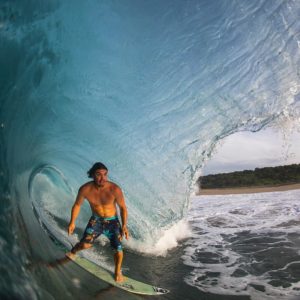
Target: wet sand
(249, 190)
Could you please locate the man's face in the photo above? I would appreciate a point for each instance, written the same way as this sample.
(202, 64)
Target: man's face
(100, 177)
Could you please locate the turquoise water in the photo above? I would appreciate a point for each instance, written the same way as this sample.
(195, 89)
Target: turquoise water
(148, 88)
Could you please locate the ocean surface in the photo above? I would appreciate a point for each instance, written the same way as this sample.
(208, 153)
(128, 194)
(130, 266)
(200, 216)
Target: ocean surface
(245, 245)
(232, 247)
(149, 88)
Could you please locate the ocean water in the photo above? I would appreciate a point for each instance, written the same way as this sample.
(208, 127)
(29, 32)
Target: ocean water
(246, 245)
(228, 247)
(149, 88)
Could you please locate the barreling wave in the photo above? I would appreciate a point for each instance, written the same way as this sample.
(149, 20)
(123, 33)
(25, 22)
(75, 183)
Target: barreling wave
(148, 88)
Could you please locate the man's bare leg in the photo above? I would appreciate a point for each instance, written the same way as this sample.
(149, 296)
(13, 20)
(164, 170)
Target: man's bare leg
(78, 247)
(118, 258)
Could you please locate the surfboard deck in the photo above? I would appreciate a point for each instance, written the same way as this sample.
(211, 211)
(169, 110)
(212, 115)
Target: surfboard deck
(129, 284)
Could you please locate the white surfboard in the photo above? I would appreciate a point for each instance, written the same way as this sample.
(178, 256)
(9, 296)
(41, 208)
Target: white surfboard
(128, 284)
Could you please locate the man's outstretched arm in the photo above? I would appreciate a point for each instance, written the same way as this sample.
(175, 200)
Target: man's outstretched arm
(75, 210)
(123, 210)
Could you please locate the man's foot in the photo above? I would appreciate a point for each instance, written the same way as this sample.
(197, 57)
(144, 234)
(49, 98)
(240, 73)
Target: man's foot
(70, 255)
(58, 262)
(119, 277)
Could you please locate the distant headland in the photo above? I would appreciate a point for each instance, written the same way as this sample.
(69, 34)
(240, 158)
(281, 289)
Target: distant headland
(266, 179)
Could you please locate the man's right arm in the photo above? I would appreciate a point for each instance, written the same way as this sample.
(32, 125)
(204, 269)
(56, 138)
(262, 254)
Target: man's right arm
(75, 210)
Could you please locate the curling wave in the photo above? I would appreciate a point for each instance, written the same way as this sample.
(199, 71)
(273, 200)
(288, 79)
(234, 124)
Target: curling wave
(149, 88)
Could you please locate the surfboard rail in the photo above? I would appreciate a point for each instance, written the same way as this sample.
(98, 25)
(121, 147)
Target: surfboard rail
(129, 284)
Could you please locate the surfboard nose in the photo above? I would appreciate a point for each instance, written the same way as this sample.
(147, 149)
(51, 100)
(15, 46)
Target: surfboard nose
(160, 290)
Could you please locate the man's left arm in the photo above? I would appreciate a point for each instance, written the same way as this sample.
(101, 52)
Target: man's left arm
(123, 210)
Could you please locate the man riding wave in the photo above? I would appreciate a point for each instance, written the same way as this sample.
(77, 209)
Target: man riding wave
(104, 197)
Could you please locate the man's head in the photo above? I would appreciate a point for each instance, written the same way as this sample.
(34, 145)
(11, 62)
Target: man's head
(99, 173)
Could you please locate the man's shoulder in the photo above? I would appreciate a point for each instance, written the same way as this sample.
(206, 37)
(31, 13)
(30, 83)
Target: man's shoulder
(113, 186)
(86, 186)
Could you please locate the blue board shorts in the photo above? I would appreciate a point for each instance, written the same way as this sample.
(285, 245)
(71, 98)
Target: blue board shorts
(110, 227)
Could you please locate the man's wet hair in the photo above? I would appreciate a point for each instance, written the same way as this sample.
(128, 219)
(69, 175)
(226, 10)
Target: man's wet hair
(96, 166)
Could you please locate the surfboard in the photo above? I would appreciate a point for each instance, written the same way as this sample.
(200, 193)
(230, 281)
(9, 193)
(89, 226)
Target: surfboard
(129, 284)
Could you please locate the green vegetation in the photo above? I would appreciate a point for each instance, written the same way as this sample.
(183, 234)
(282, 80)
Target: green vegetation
(270, 176)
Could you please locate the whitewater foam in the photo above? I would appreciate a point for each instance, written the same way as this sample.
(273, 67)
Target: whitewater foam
(169, 239)
(245, 245)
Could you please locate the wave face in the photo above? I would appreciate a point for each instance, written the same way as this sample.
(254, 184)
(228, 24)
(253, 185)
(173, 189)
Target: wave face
(148, 88)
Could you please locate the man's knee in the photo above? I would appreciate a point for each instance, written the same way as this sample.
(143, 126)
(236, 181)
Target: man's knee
(81, 246)
(119, 253)
(86, 245)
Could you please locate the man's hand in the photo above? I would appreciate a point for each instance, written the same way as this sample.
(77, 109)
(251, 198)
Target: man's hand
(125, 232)
(71, 228)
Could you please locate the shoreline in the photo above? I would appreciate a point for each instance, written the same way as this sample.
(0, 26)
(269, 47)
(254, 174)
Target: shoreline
(249, 190)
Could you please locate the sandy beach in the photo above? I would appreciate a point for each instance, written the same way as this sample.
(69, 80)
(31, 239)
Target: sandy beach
(249, 190)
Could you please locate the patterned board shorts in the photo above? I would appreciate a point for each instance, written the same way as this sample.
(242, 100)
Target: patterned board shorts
(110, 227)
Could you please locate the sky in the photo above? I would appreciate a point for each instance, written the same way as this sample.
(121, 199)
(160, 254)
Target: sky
(248, 150)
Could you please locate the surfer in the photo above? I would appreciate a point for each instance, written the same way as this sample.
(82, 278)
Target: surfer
(104, 197)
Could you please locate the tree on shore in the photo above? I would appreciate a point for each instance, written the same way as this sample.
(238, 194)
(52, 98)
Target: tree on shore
(268, 176)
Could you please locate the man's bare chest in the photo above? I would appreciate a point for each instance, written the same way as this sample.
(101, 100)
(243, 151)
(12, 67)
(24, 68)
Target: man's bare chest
(101, 198)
